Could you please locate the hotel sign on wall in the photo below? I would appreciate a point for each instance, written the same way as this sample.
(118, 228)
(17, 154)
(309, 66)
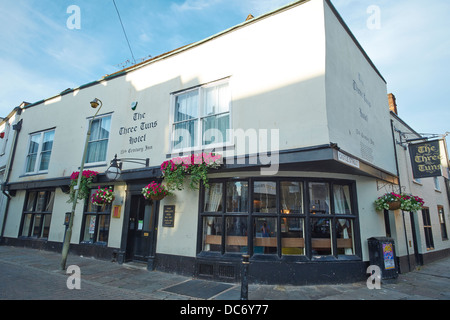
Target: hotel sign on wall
(426, 159)
(138, 133)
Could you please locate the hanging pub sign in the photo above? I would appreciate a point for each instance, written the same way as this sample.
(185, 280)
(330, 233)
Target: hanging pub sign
(426, 159)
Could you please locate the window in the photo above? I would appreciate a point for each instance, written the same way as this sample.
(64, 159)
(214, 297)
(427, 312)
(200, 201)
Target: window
(269, 218)
(427, 229)
(4, 137)
(201, 117)
(96, 220)
(98, 141)
(442, 223)
(39, 151)
(37, 214)
(437, 185)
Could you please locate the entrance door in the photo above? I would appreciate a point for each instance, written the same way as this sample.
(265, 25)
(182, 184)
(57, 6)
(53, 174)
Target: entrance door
(141, 229)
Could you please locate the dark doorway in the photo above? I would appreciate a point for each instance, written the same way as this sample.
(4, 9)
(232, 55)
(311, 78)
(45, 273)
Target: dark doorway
(141, 229)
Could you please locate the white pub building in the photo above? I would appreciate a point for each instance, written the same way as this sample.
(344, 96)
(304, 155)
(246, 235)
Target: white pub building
(300, 117)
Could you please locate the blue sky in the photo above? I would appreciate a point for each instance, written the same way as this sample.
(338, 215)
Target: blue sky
(40, 56)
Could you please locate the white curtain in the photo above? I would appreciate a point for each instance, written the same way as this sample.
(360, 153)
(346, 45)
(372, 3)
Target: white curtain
(342, 205)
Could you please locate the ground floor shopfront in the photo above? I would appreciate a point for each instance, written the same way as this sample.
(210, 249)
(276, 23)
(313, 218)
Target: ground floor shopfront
(296, 230)
(297, 226)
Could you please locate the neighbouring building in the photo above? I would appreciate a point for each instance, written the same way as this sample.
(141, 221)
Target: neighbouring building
(422, 236)
(297, 110)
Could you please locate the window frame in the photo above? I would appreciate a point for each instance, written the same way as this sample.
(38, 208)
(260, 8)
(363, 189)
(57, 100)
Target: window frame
(39, 152)
(427, 229)
(305, 218)
(442, 223)
(90, 142)
(30, 234)
(98, 212)
(198, 138)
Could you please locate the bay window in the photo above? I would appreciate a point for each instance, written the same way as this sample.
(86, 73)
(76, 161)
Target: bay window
(201, 117)
(278, 218)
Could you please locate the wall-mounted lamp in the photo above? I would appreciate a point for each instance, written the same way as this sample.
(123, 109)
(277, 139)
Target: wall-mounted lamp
(114, 171)
(95, 103)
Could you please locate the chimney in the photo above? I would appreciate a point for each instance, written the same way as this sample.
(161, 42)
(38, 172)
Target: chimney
(392, 103)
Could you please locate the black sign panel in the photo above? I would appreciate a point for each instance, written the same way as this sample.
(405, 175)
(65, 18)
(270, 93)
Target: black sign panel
(168, 216)
(426, 159)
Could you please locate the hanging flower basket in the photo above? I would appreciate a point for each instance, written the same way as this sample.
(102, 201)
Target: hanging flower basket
(87, 177)
(395, 205)
(388, 201)
(411, 203)
(195, 166)
(103, 197)
(155, 191)
(393, 201)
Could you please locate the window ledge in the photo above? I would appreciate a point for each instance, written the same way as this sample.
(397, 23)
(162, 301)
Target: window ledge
(31, 174)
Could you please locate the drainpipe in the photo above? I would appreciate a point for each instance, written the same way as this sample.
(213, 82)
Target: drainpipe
(16, 127)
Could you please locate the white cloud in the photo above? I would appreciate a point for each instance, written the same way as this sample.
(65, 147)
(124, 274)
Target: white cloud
(193, 5)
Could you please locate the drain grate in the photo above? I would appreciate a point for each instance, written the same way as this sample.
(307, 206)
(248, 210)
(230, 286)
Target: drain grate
(201, 289)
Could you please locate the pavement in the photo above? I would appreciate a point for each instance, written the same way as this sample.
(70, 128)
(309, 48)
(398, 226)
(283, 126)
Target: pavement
(30, 274)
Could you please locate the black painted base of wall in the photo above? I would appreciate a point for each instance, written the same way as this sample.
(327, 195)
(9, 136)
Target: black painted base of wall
(265, 272)
(86, 250)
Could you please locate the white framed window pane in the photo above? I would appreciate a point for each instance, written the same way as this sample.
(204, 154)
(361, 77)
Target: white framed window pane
(186, 106)
(34, 143)
(45, 161)
(184, 134)
(46, 152)
(48, 141)
(215, 129)
(100, 129)
(105, 128)
(97, 151)
(31, 162)
(216, 100)
(32, 153)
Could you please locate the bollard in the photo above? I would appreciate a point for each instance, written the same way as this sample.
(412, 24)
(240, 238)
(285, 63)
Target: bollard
(244, 277)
